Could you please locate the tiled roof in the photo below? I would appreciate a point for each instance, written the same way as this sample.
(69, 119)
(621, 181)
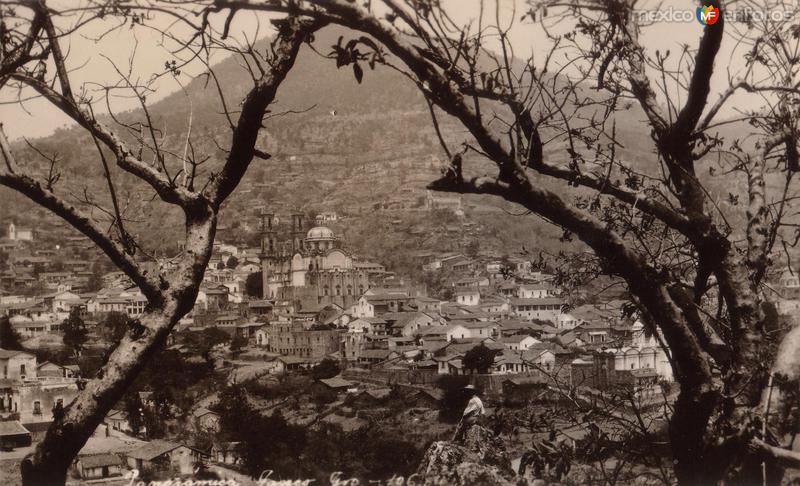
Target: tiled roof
(542, 301)
(12, 427)
(375, 353)
(385, 297)
(259, 303)
(6, 353)
(434, 393)
(433, 330)
(151, 450)
(378, 393)
(100, 460)
(516, 338)
(336, 382)
(527, 380)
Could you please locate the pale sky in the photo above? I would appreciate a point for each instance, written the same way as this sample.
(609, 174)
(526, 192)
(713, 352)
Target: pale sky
(86, 56)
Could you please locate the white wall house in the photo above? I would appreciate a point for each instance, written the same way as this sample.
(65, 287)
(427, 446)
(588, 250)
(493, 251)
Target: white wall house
(468, 297)
(540, 359)
(538, 291)
(566, 320)
(363, 308)
(546, 309)
(519, 342)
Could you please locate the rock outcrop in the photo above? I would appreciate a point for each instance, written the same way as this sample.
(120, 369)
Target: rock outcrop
(480, 460)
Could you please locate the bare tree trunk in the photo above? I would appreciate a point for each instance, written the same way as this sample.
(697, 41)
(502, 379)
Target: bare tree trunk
(170, 295)
(50, 461)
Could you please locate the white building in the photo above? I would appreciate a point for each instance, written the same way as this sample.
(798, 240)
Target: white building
(645, 352)
(545, 309)
(17, 233)
(468, 297)
(448, 333)
(535, 291)
(519, 342)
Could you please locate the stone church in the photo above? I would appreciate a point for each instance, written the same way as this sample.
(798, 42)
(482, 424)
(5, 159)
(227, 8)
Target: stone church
(308, 266)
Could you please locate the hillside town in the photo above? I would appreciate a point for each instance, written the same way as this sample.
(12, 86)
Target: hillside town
(300, 303)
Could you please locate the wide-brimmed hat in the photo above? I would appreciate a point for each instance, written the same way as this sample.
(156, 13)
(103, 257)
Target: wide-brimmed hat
(471, 388)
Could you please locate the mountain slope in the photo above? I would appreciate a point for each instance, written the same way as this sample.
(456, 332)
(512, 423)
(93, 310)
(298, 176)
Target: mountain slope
(365, 150)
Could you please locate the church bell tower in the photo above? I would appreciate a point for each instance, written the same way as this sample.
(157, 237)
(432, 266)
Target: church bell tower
(298, 234)
(269, 251)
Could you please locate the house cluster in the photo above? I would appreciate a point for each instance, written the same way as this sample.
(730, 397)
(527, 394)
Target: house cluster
(42, 314)
(319, 301)
(528, 326)
(29, 394)
(107, 458)
(392, 333)
(34, 262)
(113, 451)
(42, 282)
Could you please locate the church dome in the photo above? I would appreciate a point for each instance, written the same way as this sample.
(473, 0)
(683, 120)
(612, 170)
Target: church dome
(320, 233)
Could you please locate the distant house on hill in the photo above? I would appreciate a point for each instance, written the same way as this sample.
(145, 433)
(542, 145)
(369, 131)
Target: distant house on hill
(371, 357)
(519, 390)
(428, 398)
(161, 455)
(519, 342)
(408, 323)
(426, 304)
(326, 216)
(535, 291)
(18, 233)
(292, 363)
(117, 420)
(337, 383)
(468, 296)
(448, 332)
(99, 466)
(259, 307)
(376, 304)
(371, 396)
(53, 370)
(541, 357)
(206, 420)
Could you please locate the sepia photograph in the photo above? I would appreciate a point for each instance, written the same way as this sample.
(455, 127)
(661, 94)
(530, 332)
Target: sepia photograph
(399, 242)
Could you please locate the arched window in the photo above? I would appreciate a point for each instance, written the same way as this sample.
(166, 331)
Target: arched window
(325, 290)
(338, 290)
(349, 290)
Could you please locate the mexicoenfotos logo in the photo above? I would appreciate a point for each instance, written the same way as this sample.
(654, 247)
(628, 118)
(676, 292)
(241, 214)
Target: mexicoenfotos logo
(710, 15)
(707, 15)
